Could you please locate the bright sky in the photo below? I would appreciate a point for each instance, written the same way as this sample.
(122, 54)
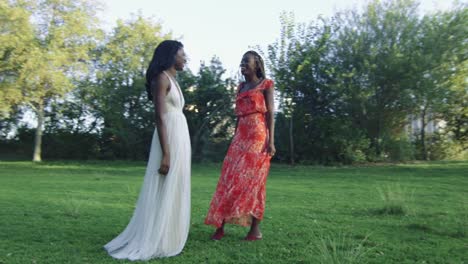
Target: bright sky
(228, 28)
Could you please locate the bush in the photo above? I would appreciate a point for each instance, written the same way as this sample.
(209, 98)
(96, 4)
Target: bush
(399, 149)
(58, 145)
(441, 146)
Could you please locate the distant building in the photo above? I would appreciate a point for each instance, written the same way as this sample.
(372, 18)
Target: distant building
(433, 125)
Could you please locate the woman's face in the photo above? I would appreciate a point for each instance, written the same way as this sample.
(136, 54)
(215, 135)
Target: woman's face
(180, 59)
(248, 65)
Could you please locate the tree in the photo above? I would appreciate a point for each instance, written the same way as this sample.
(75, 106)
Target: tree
(303, 66)
(455, 109)
(209, 111)
(279, 56)
(16, 40)
(348, 84)
(118, 94)
(375, 52)
(64, 31)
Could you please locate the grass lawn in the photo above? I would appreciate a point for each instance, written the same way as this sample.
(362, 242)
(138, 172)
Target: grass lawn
(64, 212)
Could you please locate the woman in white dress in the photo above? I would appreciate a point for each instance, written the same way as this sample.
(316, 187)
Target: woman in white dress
(160, 223)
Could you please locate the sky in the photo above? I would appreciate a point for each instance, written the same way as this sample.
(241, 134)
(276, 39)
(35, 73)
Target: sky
(229, 28)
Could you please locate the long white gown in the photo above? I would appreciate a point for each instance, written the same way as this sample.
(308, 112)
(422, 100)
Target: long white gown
(160, 223)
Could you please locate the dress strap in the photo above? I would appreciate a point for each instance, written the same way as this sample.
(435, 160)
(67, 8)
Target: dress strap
(239, 87)
(267, 84)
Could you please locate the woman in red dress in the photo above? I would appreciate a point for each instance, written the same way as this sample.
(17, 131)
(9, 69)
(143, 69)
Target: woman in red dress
(240, 193)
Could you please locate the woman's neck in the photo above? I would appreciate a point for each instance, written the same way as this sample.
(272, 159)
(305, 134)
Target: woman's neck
(172, 71)
(251, 78)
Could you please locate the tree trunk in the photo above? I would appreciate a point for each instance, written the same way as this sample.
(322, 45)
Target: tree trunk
(378, 141)
(38, 135)
(423, 134)
(195, 145)
(196, 139)
(291, 140)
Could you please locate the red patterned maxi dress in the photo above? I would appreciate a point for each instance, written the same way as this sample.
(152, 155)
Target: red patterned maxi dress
(240, 193)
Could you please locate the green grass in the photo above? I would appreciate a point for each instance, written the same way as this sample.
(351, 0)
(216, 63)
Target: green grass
(64, 212)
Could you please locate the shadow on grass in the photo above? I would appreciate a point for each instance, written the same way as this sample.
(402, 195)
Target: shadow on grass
(457, 233)
(390, 210)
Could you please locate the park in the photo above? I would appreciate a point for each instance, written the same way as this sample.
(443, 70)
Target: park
(370, 133)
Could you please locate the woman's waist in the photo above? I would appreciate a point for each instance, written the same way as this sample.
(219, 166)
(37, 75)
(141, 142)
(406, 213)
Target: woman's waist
(254, 121)
(251, 114)
(174, 113)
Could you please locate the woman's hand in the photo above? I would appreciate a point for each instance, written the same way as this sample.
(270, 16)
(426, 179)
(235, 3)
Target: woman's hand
(164, 168)
(271, 149)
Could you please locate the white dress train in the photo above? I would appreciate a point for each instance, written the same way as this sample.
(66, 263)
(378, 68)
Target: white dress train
(160, 223)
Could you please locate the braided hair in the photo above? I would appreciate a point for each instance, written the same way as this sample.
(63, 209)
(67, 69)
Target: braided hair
(163, 59)
(259, 62)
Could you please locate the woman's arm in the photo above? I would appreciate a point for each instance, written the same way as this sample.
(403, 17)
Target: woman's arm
(160, 87)
(270, 118)
(239, 87)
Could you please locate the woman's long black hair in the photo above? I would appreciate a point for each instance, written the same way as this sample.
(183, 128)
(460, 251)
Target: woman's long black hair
(163, 59)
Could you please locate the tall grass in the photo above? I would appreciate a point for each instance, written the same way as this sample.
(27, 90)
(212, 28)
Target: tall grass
(396, 199)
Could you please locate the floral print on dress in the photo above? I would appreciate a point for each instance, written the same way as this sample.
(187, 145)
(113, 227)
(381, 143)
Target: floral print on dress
(240, 193)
